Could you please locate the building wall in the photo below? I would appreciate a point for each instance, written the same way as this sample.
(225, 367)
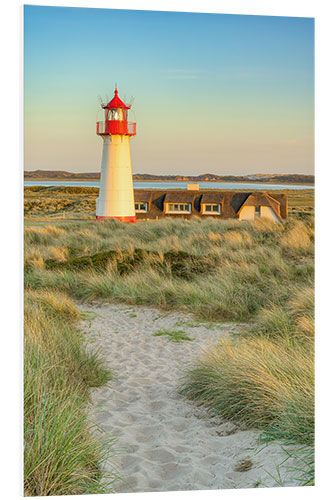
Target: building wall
(283, 200)
(269, 214)
(247, 213)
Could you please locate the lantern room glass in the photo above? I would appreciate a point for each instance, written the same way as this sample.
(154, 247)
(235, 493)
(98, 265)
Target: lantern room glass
(116, 114)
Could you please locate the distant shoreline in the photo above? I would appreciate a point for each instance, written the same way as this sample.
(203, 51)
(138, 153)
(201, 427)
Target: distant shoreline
(258, 178)
(245, 181)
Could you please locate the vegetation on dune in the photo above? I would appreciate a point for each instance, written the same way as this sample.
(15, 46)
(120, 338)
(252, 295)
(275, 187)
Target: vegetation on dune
(63, 454)
(174, 335)
(53, 201)
(221, 270)
(258, 272)
(262, 381)
(293, 321)
(265, 380)
(177, 263)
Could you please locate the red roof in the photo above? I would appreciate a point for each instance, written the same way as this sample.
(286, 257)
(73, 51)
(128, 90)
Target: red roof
(116, 103)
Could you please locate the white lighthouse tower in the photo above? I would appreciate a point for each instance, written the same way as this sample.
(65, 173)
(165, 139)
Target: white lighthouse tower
(116, 196)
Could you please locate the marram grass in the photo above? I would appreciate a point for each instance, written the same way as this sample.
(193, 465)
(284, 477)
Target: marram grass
(257, 272)
(224, 270)
(63, 454)
(257, 382)
(265, 380)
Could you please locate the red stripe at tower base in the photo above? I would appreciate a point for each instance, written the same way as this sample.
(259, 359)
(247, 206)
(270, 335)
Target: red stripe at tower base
(121, 219)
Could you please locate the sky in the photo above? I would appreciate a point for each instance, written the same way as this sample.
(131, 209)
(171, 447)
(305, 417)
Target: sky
(213, 93)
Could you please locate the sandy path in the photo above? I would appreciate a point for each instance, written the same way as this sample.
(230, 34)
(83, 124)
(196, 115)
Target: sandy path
(167, 442)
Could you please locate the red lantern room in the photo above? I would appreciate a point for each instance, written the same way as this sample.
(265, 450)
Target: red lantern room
(116, 115)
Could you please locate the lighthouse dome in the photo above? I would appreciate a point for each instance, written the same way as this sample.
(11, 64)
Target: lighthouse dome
(116, 103)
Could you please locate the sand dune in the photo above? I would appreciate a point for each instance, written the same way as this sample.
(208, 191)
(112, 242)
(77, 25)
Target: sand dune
(166, 442)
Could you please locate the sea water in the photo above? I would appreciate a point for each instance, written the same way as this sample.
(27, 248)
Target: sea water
(251, 186)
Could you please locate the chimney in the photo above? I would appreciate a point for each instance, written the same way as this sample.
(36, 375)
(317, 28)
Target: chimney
(192, 187)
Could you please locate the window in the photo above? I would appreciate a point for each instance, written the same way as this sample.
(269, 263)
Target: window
(141, 207)
(211, 208)
(178, 207)
(257, 212)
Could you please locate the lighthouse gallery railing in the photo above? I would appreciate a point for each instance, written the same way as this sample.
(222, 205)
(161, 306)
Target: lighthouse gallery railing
(116, 127)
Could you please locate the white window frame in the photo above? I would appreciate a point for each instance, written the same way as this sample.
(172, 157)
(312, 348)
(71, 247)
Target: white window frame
(206, 212)
(178, 210)
(141, 210)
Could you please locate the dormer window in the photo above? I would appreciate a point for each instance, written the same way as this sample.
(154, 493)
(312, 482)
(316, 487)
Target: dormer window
(211, 208)
(211, 203)
(141, 207)
(184, 208)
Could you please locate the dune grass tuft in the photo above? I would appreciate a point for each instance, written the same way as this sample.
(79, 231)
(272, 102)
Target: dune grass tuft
(63, 454)
(174, 335)
(297, 237)
(258, 272)
(265, 380)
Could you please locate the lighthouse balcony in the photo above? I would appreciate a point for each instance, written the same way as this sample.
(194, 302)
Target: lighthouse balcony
(116, 127)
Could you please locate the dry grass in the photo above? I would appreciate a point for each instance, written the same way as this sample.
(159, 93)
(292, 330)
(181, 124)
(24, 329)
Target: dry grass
(237, 238)
(58, 253)
(60, 201)
(296, 237)
(63, 454)
(248, 264)
(258, 382)
(258, 272)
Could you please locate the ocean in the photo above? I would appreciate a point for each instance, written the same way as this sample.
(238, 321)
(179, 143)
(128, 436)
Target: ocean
(251, 186)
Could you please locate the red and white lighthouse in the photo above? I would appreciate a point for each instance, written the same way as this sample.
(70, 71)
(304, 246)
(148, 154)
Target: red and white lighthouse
(116, 196)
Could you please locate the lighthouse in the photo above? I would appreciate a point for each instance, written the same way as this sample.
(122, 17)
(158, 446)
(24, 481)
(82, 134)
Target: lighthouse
(116, 196)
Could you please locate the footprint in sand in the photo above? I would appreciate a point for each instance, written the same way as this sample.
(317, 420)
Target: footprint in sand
(167, 443)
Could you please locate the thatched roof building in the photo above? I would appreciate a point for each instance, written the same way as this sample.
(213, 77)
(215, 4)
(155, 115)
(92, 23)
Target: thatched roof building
(154, 204)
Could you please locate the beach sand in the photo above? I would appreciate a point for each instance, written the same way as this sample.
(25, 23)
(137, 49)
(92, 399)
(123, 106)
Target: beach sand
(164, 441)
